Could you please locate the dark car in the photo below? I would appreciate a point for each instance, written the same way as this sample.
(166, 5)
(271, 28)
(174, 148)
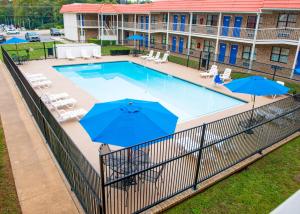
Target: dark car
(32, 37)
(2, 39)
(55, 32)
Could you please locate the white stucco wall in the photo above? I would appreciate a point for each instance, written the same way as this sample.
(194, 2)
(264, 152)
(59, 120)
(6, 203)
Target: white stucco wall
(70, 26)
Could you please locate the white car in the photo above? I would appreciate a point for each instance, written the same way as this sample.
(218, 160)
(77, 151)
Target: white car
(12, 31)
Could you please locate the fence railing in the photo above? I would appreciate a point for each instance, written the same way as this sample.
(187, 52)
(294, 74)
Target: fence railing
(82, 177)
(136, 178)
(141, 176)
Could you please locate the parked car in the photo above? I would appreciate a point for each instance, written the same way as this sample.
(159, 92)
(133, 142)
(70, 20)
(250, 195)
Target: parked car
(2, 39)
(54, 32)
(32, 37)
(12, 31)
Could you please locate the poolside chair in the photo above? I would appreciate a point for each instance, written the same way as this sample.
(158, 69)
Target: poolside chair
(64, 115)
(33, 75)
(96, 54)
(41, 84)
(150, 55)
(212, 72)
(69, 55)
(164, 58)
(84, 54)
(36, 79)
(281, 83)
(226, 75)
(65, 103)
(48, 98)
(154, 58)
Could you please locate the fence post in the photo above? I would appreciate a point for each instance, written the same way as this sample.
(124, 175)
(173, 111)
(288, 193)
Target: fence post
(102, 183)
(54, 44)
(274, 74)
(199, 157)
(45, 50)
(188, 60)
(200, 57)
(208, 61)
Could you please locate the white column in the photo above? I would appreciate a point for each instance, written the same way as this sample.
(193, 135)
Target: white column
(218, 37)
(122, 29)
(117, 29)
(102, 28)
(149, 32)
(296, 58)
(190, 34)
(254, 41)
(99, 32)
(167, 39)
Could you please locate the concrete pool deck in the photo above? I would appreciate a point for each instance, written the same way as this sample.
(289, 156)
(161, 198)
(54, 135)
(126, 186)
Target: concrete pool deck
(86, 101)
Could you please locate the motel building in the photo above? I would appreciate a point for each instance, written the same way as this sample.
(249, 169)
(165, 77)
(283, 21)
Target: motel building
(248, 33)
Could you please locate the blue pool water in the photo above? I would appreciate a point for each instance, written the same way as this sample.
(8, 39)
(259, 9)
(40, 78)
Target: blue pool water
(119, 80)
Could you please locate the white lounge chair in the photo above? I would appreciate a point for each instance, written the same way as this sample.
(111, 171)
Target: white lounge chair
(96, 54)
(36, 79)
(84, 54)
(150, 55)
(69, 55)
(226, 75)
(65, 103)
(41, 84)
(164, 58)
(154, 58)
(64, 116)
(212, 72)
(48, 98)
(33, 75)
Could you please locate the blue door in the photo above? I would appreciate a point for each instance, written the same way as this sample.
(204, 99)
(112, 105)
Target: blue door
(141, 41)
(146, 41)
(182, 26)
(173, 49)
(233, 54)
(147, 22)
(222, 52)
(142, 22)
(237, 26)
(297, 69)
(181, 41)
(175, 21)
(226, 23)
(82, 20)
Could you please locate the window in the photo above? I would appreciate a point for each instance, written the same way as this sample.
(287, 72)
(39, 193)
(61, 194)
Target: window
(154, 19)
(209, 46)
(247, 53)
(152, 39)
(194, 19)
(193, 44)
(165, 17)
(279, 54)
(164, 39)
(126, 18)
(251, 22)
(212, 20)
(286, 20)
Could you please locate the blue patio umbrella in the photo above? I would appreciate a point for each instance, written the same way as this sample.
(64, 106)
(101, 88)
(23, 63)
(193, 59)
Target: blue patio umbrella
(135, 37)
(256, 86)
(14, 40)
(128, 122)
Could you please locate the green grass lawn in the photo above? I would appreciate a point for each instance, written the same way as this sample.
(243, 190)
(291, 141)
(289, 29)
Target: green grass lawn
(258, 189)
(8, 197)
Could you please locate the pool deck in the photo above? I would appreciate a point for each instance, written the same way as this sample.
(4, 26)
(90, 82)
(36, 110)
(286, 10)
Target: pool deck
(86, 101)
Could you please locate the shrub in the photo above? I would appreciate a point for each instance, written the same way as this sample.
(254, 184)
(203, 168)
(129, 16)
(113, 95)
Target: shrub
(104, 42)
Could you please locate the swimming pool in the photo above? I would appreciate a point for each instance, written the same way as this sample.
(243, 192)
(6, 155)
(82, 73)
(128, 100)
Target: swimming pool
(118, 80)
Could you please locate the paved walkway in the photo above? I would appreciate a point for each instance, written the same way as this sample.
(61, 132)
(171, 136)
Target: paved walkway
(39, 185)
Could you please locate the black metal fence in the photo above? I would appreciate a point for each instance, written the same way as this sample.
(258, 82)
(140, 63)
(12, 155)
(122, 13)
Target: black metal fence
(83, 178)
(203, 60)
(139, 177)
(136, 178)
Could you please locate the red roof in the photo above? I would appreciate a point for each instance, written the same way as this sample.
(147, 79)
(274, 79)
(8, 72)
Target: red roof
(184, 6)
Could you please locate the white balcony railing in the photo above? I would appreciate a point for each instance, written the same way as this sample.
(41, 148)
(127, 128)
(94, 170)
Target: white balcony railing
(205, 29)
(87, 23)
(243, 33)
(278, 34)
(179, 27)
